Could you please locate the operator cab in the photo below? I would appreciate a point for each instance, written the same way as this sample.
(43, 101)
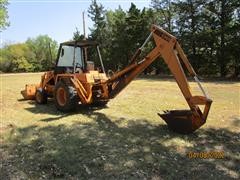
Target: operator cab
(75, 56)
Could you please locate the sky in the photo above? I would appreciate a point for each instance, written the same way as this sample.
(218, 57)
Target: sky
(56, 18)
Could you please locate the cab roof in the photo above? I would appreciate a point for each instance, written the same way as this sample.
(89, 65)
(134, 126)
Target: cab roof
(81, 43)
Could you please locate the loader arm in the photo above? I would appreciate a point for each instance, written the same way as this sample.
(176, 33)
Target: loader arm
(167, 46)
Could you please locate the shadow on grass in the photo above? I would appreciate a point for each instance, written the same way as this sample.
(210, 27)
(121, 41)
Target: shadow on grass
(105, 150)
(50, 109)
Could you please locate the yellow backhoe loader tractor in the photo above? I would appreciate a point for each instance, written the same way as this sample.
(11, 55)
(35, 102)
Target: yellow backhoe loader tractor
(75, 80)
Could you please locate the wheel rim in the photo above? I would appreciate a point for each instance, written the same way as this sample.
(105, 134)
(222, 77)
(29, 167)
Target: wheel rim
(61, 96)
(38, 97)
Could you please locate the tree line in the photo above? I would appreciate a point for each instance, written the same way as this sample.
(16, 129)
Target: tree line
(34, 55)
(208, 30)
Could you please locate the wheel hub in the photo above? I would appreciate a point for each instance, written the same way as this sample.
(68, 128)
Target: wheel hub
(61, 96)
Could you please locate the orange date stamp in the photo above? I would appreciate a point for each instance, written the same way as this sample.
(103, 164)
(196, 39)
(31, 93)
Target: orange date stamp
(206, 155)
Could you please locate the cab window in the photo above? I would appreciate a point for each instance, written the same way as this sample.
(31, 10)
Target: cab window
(67, 54)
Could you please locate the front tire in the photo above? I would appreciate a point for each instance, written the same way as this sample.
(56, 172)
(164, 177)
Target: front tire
(41, 96)
(65, 97)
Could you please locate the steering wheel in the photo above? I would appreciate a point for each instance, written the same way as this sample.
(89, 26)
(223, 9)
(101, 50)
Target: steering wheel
(78, 67)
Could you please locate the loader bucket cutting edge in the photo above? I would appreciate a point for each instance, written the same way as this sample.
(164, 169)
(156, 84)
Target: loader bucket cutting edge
(182, 121)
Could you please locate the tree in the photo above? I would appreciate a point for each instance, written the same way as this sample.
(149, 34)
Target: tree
(234, 46)
(116, 45)
(208, 31)
(189, 22)
(40, 47)
(98, 33)
(33, 55)
(15, 58)
(165, 10)
(77, 36)
(3, 15)
(222, 12)
(97, 14)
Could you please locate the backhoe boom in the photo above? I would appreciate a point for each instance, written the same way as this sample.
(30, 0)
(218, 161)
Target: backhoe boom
(167, 46)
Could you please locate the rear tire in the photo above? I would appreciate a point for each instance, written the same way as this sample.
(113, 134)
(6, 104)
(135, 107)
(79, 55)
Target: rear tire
(65, 97)
(41, 96)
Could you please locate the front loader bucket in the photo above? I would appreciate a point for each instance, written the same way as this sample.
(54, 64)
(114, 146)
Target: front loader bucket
(29, 92)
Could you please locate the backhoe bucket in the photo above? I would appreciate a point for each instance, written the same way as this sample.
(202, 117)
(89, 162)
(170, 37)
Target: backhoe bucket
(183, 121)
(186, 121)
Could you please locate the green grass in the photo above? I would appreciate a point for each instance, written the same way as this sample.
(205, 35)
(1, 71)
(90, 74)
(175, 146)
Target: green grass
(125, 140)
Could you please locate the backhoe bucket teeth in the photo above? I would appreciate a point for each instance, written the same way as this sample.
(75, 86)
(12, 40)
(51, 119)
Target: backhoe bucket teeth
(182, 121)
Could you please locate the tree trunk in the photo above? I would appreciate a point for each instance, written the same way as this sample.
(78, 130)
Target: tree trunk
(222, 58)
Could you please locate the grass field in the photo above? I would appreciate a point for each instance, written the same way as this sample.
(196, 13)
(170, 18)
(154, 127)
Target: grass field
(125, 140)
